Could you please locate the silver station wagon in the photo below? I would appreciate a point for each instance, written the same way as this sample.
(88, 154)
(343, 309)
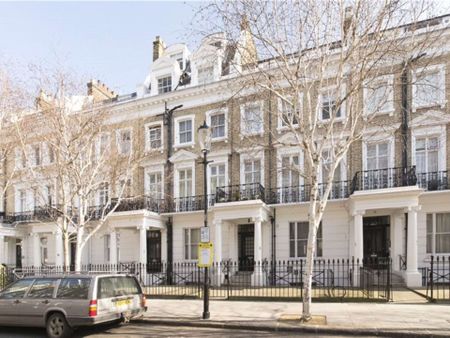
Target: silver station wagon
(61, 303)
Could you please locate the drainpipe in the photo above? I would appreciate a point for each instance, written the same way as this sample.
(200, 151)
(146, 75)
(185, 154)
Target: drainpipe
(168, 122)
(405, 126)
(405, 110)
(273, 221)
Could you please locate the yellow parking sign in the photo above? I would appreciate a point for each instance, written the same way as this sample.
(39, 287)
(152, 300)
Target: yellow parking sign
(205, 255)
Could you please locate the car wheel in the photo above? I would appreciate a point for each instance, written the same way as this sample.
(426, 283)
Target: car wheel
(57, 326)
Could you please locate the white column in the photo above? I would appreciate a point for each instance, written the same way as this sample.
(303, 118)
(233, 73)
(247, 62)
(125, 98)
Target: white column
(163, 245)
(113, 247)
(142, 245)
(59, 256)
(397, 227)
(358, 244)
(412, 276)
(258, 278)
(358, 237)
(36, 249)
(218, 251)
(3, 258)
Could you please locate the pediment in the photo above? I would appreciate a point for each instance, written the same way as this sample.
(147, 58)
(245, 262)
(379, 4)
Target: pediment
(164, 62)
(431, 118)
(206, 51)
(183, 155)
(287, 139)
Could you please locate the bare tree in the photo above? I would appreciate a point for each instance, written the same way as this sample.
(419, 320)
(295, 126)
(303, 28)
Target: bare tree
(13, 101)
(89, 165)
(321, 60)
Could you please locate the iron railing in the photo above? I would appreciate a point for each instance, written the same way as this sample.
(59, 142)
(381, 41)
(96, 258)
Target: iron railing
(437, 278)
(297, 194)
(242, 192)
(363, 180)
(341, 279)
(384, 178)
(431, 181)
(190, 203)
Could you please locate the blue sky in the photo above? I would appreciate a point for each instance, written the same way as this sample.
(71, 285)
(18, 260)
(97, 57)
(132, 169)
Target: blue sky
(110, 41)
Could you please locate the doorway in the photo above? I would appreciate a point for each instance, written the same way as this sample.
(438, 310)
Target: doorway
(376, 238)
(246, 246)
(18, 253)
(154, 251)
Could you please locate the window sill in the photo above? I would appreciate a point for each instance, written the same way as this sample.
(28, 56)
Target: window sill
(281, 129)
(151, 150)
(184, 145)
(219, 139)
(338, 120)
(441, 104)
(252, 134)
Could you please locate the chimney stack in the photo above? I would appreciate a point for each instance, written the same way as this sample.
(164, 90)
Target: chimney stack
(99, 91)
(158, 48)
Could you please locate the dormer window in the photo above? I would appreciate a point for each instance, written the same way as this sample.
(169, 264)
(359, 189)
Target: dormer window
(205, 75)
(164, 84)
(179, 58)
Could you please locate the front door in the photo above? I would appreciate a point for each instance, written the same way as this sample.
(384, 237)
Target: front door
(154, 251)
(376, 238)
(18, 253)
(246, 247)
(73, 251)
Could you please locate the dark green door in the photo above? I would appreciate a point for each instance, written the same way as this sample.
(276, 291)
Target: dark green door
(246, 247)
(376, 239)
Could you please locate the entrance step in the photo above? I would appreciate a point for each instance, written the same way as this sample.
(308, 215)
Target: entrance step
(241, 278)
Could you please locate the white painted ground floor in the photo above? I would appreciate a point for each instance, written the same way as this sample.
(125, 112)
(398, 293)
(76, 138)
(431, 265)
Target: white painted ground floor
(407, 224)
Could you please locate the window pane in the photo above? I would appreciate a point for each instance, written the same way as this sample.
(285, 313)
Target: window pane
(442, 223)
(443, 243)
(73, 288)
(17, 290)
(291, 230)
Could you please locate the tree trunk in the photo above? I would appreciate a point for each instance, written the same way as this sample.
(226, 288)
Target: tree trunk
(311, 248)
(79, 248)
(307, 281)
(66, 249)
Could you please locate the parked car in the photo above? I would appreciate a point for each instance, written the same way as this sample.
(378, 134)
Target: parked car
(63, 302)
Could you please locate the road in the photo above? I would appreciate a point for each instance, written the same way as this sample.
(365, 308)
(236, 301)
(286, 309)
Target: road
(135, 330)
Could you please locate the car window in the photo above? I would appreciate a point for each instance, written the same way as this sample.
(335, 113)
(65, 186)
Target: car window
(16, 290)
(73, 288)
(109, 287)
(42, 288)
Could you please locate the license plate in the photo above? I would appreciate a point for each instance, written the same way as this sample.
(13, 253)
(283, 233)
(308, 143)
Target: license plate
(123, 302)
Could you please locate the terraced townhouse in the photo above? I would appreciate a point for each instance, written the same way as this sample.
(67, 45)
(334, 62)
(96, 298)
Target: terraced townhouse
(257, 206)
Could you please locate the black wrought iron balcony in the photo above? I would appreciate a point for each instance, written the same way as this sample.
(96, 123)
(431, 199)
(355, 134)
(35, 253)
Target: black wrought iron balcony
(431, 181)
(298, 194)
(243, 192)
(190, 203)
(139, 203)
(41, 214)
(384, 178)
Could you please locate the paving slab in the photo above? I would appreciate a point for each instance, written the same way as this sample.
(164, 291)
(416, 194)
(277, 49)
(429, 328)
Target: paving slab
(383, 319)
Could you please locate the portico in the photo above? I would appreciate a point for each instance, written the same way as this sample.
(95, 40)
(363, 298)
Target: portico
(254, 215)
(378, 221)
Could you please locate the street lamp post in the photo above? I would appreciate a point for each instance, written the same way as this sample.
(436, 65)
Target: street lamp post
(204, 137)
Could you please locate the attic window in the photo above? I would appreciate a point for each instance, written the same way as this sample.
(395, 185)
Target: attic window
(164, 84)
(179, 58)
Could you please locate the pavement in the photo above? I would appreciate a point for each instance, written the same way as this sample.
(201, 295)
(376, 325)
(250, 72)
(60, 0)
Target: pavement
(360, 319)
